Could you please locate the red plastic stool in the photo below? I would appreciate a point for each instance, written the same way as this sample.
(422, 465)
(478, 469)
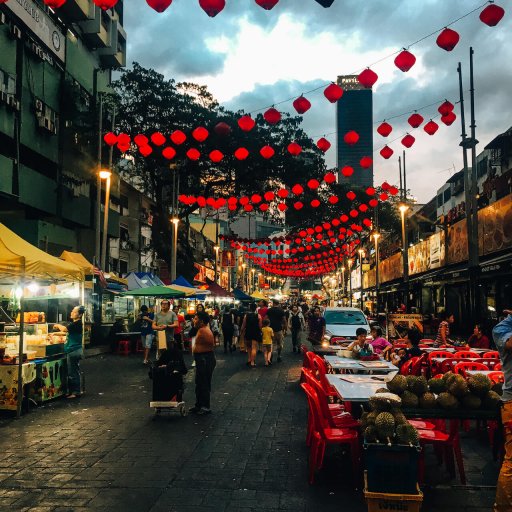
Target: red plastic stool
(123, 348)
(139, 347)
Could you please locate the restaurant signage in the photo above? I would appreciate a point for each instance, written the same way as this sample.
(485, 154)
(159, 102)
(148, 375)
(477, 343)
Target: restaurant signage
(400, 323)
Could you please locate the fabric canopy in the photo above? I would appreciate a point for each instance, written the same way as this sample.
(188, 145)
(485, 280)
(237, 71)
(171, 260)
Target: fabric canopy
(185, 289)
(79, 260)
(134, 283)
(181, 281)
(19, 258)
(149, 279)
(258, 295)
(156, 291)
(240, 295)
(216, 290)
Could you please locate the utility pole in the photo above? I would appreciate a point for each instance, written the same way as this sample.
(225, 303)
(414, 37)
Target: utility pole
(98, 185)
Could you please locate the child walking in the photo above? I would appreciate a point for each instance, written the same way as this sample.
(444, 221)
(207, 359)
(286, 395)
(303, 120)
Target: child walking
(267, 334)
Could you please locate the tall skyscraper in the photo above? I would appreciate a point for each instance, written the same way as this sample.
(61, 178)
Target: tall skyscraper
(354, 112)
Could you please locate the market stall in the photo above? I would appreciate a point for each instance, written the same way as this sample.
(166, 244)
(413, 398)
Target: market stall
(22, 267)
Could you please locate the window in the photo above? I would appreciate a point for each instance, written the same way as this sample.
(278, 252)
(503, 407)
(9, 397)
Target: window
(447, 195)
(123, 200)
(481, 169)
(123, 267)
(440, 201)
(345, 318)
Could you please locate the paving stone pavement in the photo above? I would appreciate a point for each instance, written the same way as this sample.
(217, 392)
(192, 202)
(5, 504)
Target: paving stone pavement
(108, 452)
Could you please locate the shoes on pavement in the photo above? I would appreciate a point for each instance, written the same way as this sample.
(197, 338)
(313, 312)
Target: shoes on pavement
(204, 411)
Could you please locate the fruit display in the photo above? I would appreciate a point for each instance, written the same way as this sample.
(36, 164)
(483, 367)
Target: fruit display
(451, 391)
(386, 423)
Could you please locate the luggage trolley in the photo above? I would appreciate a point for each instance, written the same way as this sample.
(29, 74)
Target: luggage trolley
(167, 390)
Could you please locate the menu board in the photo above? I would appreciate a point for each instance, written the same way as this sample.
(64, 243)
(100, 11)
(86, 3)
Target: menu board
(495, 226)
(391, 268)
(427, 255)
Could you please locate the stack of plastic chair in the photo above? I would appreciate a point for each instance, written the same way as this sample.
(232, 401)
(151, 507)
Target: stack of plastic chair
(434, 368)
(463, 366)
(323, 434)
(466, 354)
(492, 354)
(123, 347)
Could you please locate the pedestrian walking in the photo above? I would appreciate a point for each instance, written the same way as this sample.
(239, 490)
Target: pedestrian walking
(296, 324)
(251, 331)
(267, 337)
(146, 330)
(178, 331)
(316, 327)
(204, 358)
(166, 320)
(277, 318)
(502, 335)
(73, 348)
(228, 327)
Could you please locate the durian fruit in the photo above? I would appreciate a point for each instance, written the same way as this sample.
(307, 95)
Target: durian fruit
(398, 384)
(447, 378)
(385, 425)
(458, 386)
(427, 401)
(370, 419)
(407, 434)
(491, 400)
(471, 401)
(498, 388)
(447, 401)
(418, 385)
(400, 418)
(370, 434)
(384, 402)
(436, 386)
(409, 400)
(479, 384)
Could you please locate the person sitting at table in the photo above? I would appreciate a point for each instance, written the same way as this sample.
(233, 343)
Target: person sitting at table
(361, 346)
(413, 350)
(443, 333)
(380, 345)
(478, 339)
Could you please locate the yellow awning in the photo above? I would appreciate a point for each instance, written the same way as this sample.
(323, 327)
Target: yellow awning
(258, 295)
(187, 290)
(79, 260)
(18, 258)
(116, 279)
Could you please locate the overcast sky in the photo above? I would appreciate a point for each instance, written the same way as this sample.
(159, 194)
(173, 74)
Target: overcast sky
(251, 58)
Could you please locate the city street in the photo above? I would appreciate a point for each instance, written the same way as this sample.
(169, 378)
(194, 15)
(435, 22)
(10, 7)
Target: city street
(108, 451)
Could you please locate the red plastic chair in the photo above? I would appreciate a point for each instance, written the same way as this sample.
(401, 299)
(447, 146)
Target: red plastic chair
(466, 354)
(439, 353)
(418, 365)
(450, 443)
(426, 341)
(461, 368)
(323, 435)
(406, 368)
(493, 354)
(436, 367)
(496, 377)
(497, 367)
(123, 347)
(310, 355)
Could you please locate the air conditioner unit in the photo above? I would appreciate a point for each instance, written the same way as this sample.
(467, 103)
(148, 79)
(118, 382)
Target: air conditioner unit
(16, 32)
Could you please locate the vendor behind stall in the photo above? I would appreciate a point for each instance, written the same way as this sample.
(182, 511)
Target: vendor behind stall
(73, 349)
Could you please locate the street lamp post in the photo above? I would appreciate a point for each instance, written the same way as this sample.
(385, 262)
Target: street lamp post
(361, 256)
(252, 287)
(376, 237)
(105, 175)
(349, 263)
(343, 279)
(244, 276)
(216, 248)
(175, 222)
(405, 255)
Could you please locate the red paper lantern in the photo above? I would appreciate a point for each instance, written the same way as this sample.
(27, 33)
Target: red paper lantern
(367, 223)
(383, 196)
(405, 60)
(351, 137)
(449, 118)
(370, 191)
(141, 140)
(104, 4)
(244, 200)
(272, 116)
(298, 205)
(393, 190)
(446, 107)
(158, 139)
(301, 105)
(492, 15)
(366, 162)
(54, 4)
(282, 193)
(323, 144)
(267, 4)
(216, 156)
(373, 203)
(384, 129)
(363, 208)
(385, 186)
(246, 123)
(267, 152)
(248, 207)
(333, 199)
(110, 138)
(255, 199)
(159, 5)
(169, 153)
(408, 140)
(269, 196)
(282, 207)
(315, 203)
(333, 92)
(343, 218)
(178, 137)
(297, 189)
(330, 178)
(145, 151)
(212, 7)
(367, 78)
(351, 195)
(222, 129)
(264, 207)
(347, 171)
(386, 152)
(123, 147)
(200, 134)
(447, 39)
(294, 149)
(201, 201)
(313, 184)
(241, 154)
(431, 127)
(415, 120)
(193, 154)
(353, 213)
(123, 139)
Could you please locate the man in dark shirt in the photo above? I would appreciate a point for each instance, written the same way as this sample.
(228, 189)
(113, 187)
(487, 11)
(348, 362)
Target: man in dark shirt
(278, 324)
(316, 326)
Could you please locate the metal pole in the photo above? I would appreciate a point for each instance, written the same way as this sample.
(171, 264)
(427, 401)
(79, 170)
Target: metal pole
(350, 282)
(98, 185)
(361, 277)
(105, 226)
(377, 284)
(405, 179)
(405, 258)
(400, 173)
(474, 178)
(19, 398)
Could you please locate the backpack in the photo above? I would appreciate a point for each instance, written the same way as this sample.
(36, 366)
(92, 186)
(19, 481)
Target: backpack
(296, 322)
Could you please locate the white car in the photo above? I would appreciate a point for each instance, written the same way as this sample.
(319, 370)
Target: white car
(342, 323)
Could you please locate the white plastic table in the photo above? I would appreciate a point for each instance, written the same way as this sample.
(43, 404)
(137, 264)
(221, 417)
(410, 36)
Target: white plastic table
(357, 388)
(338, 363)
